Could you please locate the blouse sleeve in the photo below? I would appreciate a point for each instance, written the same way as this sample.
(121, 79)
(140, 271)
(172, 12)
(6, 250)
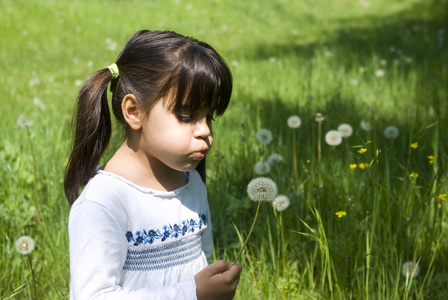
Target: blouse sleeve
(98, 249)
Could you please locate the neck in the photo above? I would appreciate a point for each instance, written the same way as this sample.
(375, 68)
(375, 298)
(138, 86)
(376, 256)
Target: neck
(143, 170)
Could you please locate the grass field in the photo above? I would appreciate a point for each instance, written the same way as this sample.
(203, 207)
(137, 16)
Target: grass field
(358, 211)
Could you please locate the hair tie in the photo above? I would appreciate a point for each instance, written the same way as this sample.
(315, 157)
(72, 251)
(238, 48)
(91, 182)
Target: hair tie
(113, 68)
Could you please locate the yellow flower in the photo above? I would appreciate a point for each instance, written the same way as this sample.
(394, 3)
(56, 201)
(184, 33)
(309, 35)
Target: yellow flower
(414, 145)
(353, 166)
(308, 161)
(414, 175)
(341, 213)
(362, 150)
(441, 197)
(432, 158)
(363, 166)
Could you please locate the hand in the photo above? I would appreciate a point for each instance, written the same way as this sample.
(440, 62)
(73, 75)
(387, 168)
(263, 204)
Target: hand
(217, 281)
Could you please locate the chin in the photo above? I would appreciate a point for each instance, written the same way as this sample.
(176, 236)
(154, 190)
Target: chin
(188, 168)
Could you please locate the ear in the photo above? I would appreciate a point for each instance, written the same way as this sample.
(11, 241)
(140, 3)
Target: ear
(131, 112)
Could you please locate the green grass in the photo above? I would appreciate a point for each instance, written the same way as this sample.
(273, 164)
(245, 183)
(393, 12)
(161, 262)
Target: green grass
(287, 57)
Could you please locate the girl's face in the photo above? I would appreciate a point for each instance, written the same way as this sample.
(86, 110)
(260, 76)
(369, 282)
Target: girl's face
(177, 139)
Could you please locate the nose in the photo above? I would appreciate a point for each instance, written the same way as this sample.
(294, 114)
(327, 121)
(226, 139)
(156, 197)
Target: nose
(203, 128)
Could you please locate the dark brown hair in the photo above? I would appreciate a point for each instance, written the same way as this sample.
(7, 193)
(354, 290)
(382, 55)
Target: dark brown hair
(151, 65)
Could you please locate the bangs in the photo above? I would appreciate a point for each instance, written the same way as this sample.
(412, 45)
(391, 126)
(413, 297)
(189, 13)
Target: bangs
(203, 80)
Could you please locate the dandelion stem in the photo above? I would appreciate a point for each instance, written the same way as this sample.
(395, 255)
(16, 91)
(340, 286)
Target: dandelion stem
(294, 158)
(33, 276)
(250, 233)
(36, 200)
(319, 151)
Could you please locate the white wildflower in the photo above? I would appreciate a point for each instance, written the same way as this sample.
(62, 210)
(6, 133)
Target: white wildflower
(111, 45)
(391, 132)
(39, 103)
(264, 136)
(410, 269)
(379, 73)
(24, 122)
(319, 117)
(366, 126)
(262, 189)
(333, 138)
(24, 245)
(34, 81)
(294, 122)
(280, 203)
(262, 168)
(274, 158)
(345, 130)
(354, 81)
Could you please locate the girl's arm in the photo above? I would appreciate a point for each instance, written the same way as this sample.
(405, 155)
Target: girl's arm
(98, 249)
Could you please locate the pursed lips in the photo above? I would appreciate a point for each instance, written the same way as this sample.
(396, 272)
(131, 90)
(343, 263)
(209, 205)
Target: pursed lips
(200, 154)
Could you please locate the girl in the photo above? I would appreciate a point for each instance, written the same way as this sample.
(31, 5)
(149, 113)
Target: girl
(141, 227)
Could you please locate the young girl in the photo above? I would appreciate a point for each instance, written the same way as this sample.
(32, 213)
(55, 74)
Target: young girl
(141, 227)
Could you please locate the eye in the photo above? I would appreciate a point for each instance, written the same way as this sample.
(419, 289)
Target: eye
(184, 118)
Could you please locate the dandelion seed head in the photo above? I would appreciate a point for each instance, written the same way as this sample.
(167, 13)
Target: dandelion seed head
(319, 117)
(23, 122)
(379, 73)
(333, 138)
(24, 245)
(111, 45)
(262, 189)
(264, 136)
(34, 80)
(280, 203)
(274, 158)
(366, 126)
(78, 82)
(294, 122)
(262, 168)
(39, 103)
(391, 132)
(345, 130)
(354, 81)
(409, 269)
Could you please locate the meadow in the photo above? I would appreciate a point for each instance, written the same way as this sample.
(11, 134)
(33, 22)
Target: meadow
(367, 217)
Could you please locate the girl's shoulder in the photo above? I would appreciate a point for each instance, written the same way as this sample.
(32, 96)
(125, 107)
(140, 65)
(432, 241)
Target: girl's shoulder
(104, 189)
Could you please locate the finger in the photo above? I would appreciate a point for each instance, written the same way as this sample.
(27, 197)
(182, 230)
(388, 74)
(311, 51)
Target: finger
(234, 271)
(218, 267)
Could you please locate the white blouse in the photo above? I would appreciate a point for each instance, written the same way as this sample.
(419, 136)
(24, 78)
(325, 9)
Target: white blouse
(130, 242)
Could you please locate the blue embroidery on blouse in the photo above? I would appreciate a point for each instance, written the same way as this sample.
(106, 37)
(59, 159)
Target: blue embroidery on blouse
(168, 231)
(168, 255)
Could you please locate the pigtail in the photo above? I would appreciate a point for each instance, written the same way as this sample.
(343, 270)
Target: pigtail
(93, 128)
